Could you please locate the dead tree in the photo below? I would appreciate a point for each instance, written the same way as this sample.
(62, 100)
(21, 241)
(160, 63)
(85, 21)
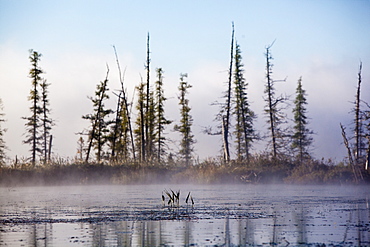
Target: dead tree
(125, 104)
(355, 170)
(226, 118)
(147, 108)
(273, 109)
(358, 121)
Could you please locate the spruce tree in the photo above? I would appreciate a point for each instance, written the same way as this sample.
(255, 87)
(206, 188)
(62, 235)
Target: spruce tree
(33, 135)
(140, 125)
(301, 139)
(119, 138)
(244, 116)
(81, 150)
(2, 141)
(46, 121)
(98, 134)
(187, 140)
(160, 119)
(151, 122)
(124, 139)
(113, 136)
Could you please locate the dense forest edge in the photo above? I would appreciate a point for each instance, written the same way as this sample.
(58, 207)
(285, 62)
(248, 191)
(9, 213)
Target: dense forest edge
(128, 145)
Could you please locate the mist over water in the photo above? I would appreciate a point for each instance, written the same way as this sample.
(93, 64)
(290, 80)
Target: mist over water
(222, 215)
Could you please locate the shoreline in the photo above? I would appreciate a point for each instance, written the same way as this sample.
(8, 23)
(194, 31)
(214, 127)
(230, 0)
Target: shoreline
(203, 173)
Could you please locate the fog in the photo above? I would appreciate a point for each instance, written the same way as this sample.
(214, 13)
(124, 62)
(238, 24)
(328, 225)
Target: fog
(221, 215)
(322, 42)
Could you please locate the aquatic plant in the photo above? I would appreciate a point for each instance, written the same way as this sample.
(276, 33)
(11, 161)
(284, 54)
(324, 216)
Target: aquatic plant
(174, 200)
(187, 200)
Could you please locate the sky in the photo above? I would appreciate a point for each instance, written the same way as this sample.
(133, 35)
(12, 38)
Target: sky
(322, 41)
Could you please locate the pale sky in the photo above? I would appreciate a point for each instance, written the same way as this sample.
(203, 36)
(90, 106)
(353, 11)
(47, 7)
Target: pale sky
(322, 41)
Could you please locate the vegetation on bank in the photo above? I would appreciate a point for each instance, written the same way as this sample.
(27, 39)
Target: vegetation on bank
(260, 170)
(129, 144)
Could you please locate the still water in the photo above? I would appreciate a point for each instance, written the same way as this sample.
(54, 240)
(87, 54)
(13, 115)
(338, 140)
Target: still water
(222, 215)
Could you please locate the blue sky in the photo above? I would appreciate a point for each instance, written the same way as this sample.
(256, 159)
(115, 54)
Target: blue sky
(322, 41)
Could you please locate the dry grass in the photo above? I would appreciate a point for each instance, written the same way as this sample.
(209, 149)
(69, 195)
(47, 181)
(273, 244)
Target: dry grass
(260, 169)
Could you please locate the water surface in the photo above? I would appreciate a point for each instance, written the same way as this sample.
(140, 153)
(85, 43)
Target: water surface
(222, 215)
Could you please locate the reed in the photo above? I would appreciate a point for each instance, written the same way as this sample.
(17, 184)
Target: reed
(174, 200)
(187, 201)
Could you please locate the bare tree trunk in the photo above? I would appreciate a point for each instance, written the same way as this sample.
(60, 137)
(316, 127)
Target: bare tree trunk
(358, 148)
(34, 131)
(147, 108)
(346, 143)
(246, 139)
(124, 98)
(45, 142)
(225, 141)
(270, 101)
(50, 146)
(90, 143)
(226, 121)
(367, 162)
(142, 126)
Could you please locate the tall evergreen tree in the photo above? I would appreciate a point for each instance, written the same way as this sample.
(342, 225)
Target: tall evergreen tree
(140, 125)
(2, 131)
(187, 141)
(125, 138)
(46, 121)
(160, 119)
(301, 139)
(81, 150)
(113, 139)
(33, 135)
(244, 131)
(151, 122)
(98, 134)
(119, 138)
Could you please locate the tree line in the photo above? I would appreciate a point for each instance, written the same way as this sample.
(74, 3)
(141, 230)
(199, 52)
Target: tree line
(120, 136)
(123, 139)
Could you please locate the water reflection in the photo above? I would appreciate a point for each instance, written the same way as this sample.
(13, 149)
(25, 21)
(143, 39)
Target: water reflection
(219, 232)
(220, 219)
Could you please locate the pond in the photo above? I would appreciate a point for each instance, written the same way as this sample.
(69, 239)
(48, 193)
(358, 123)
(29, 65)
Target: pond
(222, 215)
